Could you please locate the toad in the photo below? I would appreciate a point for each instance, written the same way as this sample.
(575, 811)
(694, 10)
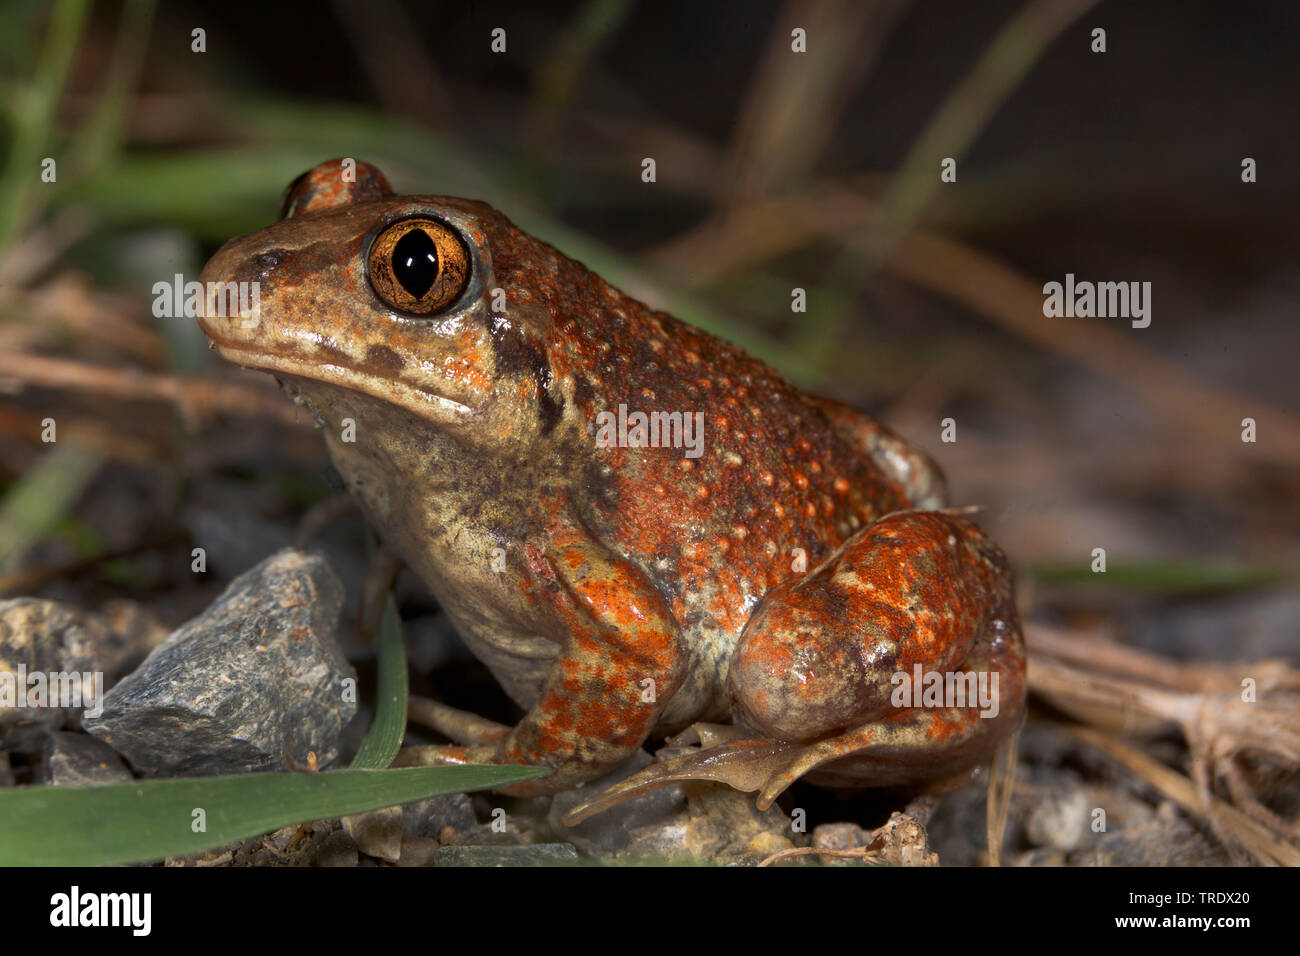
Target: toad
(637, 527)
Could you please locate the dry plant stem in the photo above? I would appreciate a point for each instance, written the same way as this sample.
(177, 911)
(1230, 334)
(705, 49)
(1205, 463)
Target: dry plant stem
(1099, 654)
(70, 308)
(1120, 689)
(1228, 821)
(40, 249)
(863, 853)
(969, 106)
(750, 236)
(195, 398)
(1198, 710)
(398, 66)
(1001, 294)
(1221, 723)
(1002, 784)
(1244, 797)
(793, 104)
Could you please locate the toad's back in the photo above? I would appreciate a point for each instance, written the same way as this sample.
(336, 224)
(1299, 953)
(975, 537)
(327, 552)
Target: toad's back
(771, 486)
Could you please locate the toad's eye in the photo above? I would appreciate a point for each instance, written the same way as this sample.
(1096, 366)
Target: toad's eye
(418, 266)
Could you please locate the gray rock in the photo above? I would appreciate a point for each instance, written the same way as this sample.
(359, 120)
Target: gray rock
(1039, 857)
(337, 849)
(418, 851)
(1059, 819)
(718, 825)
(74, 760)
(47, 657)
(255, 682)
(377, 833)
(840, 836)
(958, 829)
(429, 818)
(1165, 838)
(537, 854)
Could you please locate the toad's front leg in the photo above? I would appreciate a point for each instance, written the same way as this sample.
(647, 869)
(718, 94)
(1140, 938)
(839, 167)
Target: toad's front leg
(622, 661)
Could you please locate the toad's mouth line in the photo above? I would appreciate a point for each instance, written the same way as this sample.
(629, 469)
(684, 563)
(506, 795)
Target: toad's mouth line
(344, 376)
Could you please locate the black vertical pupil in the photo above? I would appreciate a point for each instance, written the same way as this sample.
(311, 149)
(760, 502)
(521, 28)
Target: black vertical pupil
(415, 262)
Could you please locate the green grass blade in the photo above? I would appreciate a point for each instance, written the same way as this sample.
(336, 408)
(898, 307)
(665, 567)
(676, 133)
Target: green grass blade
(151, 819)
(1175, 576)
(382, 740)
(34, 117)
(101, 136)
(44, 497)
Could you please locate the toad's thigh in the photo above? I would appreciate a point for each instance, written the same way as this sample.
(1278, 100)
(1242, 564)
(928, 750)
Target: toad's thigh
(820, 653)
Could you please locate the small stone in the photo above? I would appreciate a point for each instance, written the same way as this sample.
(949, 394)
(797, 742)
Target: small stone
(432, 816)
(510, 822)
(1165, 838)
(536, 854)
(43, 643)
(718, 824)
(74, 760)
(418, 851)
(255, 682)
(840, 836)
(1059, 818)
(337, 849)
(1042, 856)
(958, 828)
(378, 833)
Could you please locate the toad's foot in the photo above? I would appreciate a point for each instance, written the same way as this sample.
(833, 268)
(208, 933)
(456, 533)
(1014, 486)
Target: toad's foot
(894, 751)
(747, 764)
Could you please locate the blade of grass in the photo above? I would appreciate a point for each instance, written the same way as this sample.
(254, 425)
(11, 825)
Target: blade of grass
(384, 738)
(794, 104)
(151, 819)
(1184, 576)
(44, 496)
(99, 138)
(34, 117)
(950, 132)
(968, 108)
(554, 83)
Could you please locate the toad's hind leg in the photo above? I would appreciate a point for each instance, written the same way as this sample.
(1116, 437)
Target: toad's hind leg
(813, 679)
